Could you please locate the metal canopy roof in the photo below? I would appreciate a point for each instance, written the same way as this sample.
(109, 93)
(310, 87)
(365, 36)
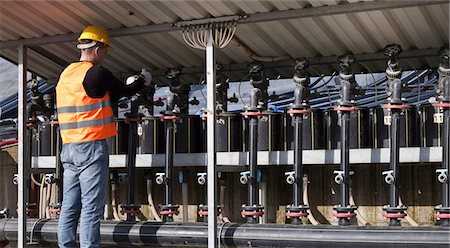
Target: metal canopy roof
(145, 33)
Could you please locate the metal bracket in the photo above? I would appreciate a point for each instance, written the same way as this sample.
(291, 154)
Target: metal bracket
(387, 120)
(290, 177)
(443, 175)
(160, 178)
(339, 178)
(140, 130)
(201, 178)
(245, 175)
(438, 118)
(389, 176)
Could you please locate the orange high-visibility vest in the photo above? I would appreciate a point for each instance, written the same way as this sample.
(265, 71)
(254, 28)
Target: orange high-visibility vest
(82, 118)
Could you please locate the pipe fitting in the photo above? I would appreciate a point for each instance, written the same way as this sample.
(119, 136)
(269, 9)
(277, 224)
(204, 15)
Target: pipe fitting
(389, 176)
(245, 176)
(339, 178)
(201, 179)
(161, 178)
(15, 179)
(123, 179)
(49, 179)
(443, 175)
(290, 177)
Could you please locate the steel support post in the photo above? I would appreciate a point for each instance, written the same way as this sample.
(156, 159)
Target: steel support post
(22, 191)
(211, 145)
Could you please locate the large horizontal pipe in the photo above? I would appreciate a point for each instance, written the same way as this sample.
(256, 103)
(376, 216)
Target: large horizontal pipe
(173, 234)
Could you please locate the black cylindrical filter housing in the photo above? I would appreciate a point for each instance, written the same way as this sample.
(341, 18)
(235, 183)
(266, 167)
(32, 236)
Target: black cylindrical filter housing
(189, 135)
(314, 131)
(229, 132)
(151, 140)
(408, 128)
(46, 143)
(270, 132)
(360, 135)
(430, 132)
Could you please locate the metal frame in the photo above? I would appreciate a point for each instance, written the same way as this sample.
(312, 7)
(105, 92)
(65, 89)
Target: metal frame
(233, 161)
(252, 18)
(22, 191)
(211, 145)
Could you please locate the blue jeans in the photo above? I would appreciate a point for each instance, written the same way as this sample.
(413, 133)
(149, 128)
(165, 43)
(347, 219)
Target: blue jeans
(86, 169)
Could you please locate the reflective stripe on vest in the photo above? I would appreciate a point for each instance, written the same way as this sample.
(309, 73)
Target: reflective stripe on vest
(82, 118)
(85, 108)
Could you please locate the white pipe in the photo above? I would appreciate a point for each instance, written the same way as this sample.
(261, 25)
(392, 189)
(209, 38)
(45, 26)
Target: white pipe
(408, 218)
(222, 216)
(47, 201)
(150, 201)
(361, 220)
(306, 202)
(34, 181)
(41, 199)
(113, 202)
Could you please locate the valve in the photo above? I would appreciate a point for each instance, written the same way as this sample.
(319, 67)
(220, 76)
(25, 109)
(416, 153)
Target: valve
(161, 178)
(339, 178)
(49, 179)
(245, 176)
(4, 213)
(15, 179)
(389, 176)
(201, 178)
(443, 175)
(123, 178)
(290, 177)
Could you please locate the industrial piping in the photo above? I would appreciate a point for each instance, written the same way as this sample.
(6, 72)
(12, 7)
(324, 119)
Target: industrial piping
(154, 234)
(443, 117)
(298, 111)
(345, 212)
(132, 118)
(258, 102)
(394, 106)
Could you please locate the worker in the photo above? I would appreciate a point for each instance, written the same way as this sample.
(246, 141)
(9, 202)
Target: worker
(84, 94)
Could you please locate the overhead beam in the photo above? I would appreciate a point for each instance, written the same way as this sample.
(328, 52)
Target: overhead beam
(250, 18)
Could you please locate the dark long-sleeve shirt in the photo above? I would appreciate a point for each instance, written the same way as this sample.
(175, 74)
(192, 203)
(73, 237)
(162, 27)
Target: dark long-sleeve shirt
(99, 80)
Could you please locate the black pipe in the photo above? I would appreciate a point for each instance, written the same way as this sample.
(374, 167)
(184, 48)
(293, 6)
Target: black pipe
(59, 168)
(154, 234)
(395, 105)
(253, 197)
(443, 91)
(345, 162)
(130, 208)
(168, 169)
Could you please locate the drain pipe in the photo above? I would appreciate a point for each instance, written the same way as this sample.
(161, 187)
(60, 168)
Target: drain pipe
(394, 107)
(299, 110)
(443, 117)
(258, 102)
(345, 212)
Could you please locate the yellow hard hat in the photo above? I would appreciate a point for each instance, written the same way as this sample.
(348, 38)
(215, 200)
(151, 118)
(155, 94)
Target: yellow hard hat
(95, 33)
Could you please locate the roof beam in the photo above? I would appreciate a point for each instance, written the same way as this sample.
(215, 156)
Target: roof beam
(251, 18)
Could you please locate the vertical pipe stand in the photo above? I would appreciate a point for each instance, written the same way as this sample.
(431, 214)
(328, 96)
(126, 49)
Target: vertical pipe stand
(132, 118)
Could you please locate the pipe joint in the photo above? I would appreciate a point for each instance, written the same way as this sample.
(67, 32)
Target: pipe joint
(15, 179)
(389, 176)
(161, 178)
(49, 179)
(339, 177)
(290, 177)
(442, 176)
(245, 177)
(201, 178)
